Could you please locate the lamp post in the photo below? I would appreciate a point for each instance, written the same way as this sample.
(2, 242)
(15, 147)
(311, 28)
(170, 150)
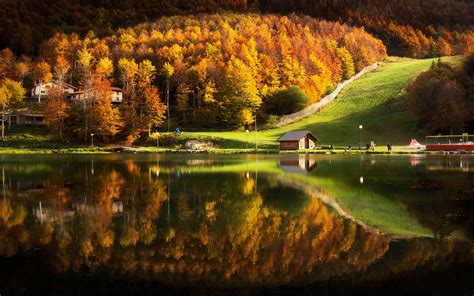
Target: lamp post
(92, 139)
(256, 142)
(360, 135)
(246, 142)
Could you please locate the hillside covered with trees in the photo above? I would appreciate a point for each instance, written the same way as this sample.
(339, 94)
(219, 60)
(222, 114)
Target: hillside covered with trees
(420, 28)
(442, 98)
(213, 71)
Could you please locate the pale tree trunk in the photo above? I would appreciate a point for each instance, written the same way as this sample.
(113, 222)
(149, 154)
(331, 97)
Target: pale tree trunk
(40, 88)
(3, 123)
(60, 122)
(86, 119)
(168, 101)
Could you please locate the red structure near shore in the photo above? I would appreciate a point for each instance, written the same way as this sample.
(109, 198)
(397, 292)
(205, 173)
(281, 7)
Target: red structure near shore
(462, 142)
(452, 147)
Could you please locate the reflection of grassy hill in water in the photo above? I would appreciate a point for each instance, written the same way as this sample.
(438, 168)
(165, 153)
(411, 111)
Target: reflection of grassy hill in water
(362, 203)
(286, 199)
(373, 208)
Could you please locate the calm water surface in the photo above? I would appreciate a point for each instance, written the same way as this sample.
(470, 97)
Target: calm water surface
(198, 224)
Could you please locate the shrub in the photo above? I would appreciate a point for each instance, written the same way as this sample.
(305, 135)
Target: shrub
(271, 122)
(286, 101)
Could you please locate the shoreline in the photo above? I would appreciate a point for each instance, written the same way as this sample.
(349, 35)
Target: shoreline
(154, 150)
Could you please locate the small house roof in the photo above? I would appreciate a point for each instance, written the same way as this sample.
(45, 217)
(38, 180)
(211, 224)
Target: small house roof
(296, 136)
(118, 89)
(57, 83)
(112, 88)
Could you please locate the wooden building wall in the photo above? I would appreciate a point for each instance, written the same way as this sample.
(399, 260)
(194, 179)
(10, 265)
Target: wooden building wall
(289, 145)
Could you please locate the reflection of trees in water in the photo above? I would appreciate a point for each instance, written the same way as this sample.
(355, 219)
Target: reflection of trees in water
(217, 230)
(444, 202)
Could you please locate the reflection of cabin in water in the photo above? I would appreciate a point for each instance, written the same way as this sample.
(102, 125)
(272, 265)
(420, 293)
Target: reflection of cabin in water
(298, 140)
(47, 214)
(300, 165)
(82, 208)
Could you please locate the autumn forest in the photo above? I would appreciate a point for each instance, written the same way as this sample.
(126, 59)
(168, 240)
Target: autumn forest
(209, 70)
(212, 70)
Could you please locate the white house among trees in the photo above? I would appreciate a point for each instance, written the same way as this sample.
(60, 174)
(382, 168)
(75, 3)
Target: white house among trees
(117, 95)
(44, 88)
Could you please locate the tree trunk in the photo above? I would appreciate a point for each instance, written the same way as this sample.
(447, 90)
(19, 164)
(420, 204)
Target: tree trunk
(60, 126)
(256, 131)
(3, 123)
(86, 121)
(40, 87)
(168, 101)
(194, 105)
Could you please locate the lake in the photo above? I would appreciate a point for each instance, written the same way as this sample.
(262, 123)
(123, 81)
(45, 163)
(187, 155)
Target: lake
(238, 224)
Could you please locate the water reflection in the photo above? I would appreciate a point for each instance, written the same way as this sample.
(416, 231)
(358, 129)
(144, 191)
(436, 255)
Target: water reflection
(300, 164)
(237, 221)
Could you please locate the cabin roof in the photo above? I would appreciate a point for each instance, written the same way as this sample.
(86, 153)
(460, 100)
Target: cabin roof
(296, 136)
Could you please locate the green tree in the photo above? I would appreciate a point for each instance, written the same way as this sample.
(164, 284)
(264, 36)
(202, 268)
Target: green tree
(286, 101)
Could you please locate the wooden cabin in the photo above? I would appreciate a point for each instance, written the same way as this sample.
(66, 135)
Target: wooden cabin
(297, 140)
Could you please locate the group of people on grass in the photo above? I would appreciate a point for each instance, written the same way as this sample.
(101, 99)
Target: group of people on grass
(368, 147)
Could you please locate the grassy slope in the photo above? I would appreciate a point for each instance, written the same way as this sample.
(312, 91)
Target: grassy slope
(371, 101)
